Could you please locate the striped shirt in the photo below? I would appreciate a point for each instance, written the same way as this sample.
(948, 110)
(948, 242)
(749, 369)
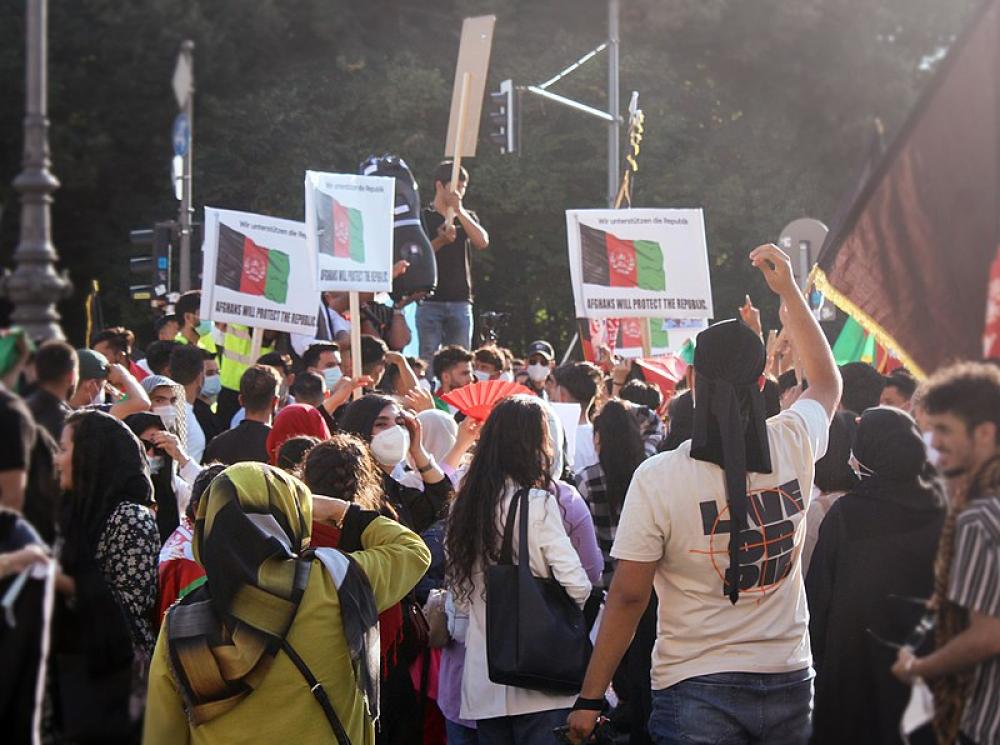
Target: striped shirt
(975, 585)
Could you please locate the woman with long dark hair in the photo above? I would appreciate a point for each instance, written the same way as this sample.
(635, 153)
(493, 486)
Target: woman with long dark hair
(104, 635)
(604, 484)
(514, 453)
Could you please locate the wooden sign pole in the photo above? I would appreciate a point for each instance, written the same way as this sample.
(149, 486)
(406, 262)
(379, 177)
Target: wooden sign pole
(456, 164)
(256, 342)
(355, 310)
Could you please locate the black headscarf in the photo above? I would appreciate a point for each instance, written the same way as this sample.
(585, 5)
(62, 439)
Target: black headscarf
(730, 422)
(892, 459)
(360, 416)
(167, 516)
(109, 467)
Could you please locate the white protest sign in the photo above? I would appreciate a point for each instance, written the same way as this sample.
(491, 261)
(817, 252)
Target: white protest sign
(349, 227)
(639, 263)
(258, 271)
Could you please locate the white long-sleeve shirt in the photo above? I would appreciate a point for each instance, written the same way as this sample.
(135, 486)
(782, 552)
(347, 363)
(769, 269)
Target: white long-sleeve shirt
(550, 552)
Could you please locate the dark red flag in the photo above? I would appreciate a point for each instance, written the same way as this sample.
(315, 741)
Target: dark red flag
(911, 260)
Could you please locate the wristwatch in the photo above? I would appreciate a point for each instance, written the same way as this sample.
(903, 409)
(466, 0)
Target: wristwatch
(431, 465)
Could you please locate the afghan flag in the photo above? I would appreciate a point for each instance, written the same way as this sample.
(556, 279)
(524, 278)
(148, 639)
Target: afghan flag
(244, 266)
(611, 261)
(910, 262)
(854, 344)
(348, 233)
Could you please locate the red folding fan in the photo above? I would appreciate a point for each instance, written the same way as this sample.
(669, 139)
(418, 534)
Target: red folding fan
(478, 399)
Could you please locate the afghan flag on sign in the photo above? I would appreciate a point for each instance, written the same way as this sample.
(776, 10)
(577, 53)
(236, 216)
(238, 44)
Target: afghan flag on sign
(243, 266)
(348, 233)
(610, 261)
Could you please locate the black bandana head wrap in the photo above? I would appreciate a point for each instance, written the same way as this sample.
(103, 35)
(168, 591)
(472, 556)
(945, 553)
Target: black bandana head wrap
(892, 460)
(729, 420)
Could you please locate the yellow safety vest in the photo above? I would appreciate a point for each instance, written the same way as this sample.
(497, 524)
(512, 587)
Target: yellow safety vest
(236, 355)
(206, 342)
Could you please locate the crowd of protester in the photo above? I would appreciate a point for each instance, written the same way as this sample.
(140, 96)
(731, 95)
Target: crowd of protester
(197, 546)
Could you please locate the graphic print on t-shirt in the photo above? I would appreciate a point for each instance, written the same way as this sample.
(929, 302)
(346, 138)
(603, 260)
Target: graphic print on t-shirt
(767, 546)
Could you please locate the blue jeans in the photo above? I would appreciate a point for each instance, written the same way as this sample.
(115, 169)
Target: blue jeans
(459, 734)
(734, 709)
(440, 323)
(523, 729)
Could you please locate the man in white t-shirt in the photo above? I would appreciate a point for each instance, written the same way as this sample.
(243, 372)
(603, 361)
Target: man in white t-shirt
(717, 526)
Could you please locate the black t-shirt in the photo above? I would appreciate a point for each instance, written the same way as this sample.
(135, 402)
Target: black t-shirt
(17, 431)
(248, 442)
(49, 411)
(453, 260)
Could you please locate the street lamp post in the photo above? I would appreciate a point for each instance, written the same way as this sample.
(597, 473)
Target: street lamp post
(34, 287)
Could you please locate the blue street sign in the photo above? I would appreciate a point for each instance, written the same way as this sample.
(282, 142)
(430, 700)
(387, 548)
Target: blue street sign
(181, 134)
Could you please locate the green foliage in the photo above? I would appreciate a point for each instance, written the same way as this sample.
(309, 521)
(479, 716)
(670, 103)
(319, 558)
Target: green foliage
(757, 111)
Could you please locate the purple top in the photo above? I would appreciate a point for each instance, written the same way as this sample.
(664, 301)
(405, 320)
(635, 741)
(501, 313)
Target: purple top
(580, 529)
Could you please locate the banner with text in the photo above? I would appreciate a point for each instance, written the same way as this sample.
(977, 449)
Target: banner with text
(639, 263)
(349, 227)
(258, 271)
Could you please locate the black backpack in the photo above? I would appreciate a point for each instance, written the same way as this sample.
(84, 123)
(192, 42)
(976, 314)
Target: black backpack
(410, 242)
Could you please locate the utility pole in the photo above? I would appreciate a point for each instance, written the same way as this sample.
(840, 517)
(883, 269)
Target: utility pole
(612, 115)
(34, 287)
(184, 90)
(614, 98)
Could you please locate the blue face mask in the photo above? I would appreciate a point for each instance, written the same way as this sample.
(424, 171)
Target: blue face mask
(211, 387)
(332, 375)
(203, 327)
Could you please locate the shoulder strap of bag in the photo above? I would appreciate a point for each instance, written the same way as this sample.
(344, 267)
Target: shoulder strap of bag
(522, 541)
(507, 547)
(316, 688)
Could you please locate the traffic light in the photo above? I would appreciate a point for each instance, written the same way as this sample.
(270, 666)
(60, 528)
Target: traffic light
(151, 269)
(503, 118)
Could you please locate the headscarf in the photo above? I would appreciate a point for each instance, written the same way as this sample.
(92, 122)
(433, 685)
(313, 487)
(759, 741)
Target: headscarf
(109, 467)
(251, 526)
(730, 425)
(438, 432)
(892, 459)
(167, 515)
(294, 420)
(152, 382)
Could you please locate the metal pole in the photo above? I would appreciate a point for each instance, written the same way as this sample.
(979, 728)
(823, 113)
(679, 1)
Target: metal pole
(34, 287)
(613, 102)
(187, 203)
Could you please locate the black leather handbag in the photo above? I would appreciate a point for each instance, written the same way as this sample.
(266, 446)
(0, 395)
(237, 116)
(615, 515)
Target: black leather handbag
(536, 635)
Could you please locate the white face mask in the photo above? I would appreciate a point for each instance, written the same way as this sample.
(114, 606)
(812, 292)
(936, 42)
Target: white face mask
(481, 376)
(98, 398)
(156, 464)
(426, 385)
(390, 445)
(167, 414)
(538, 373)
(507, 377)
(932, 455)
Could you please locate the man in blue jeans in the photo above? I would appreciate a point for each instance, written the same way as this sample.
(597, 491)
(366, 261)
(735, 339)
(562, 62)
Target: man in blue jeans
(446, 317)
(717, 525)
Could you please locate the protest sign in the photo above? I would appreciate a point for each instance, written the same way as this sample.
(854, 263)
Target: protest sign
(349, 229)
(258, 271)
(639, 263)
(624, 336)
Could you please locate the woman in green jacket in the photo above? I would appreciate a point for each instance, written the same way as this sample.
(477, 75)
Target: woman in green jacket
(226, 665)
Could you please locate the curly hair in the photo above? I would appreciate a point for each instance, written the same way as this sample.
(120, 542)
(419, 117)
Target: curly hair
(514, 447)
(343, 467)
(293, 451)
